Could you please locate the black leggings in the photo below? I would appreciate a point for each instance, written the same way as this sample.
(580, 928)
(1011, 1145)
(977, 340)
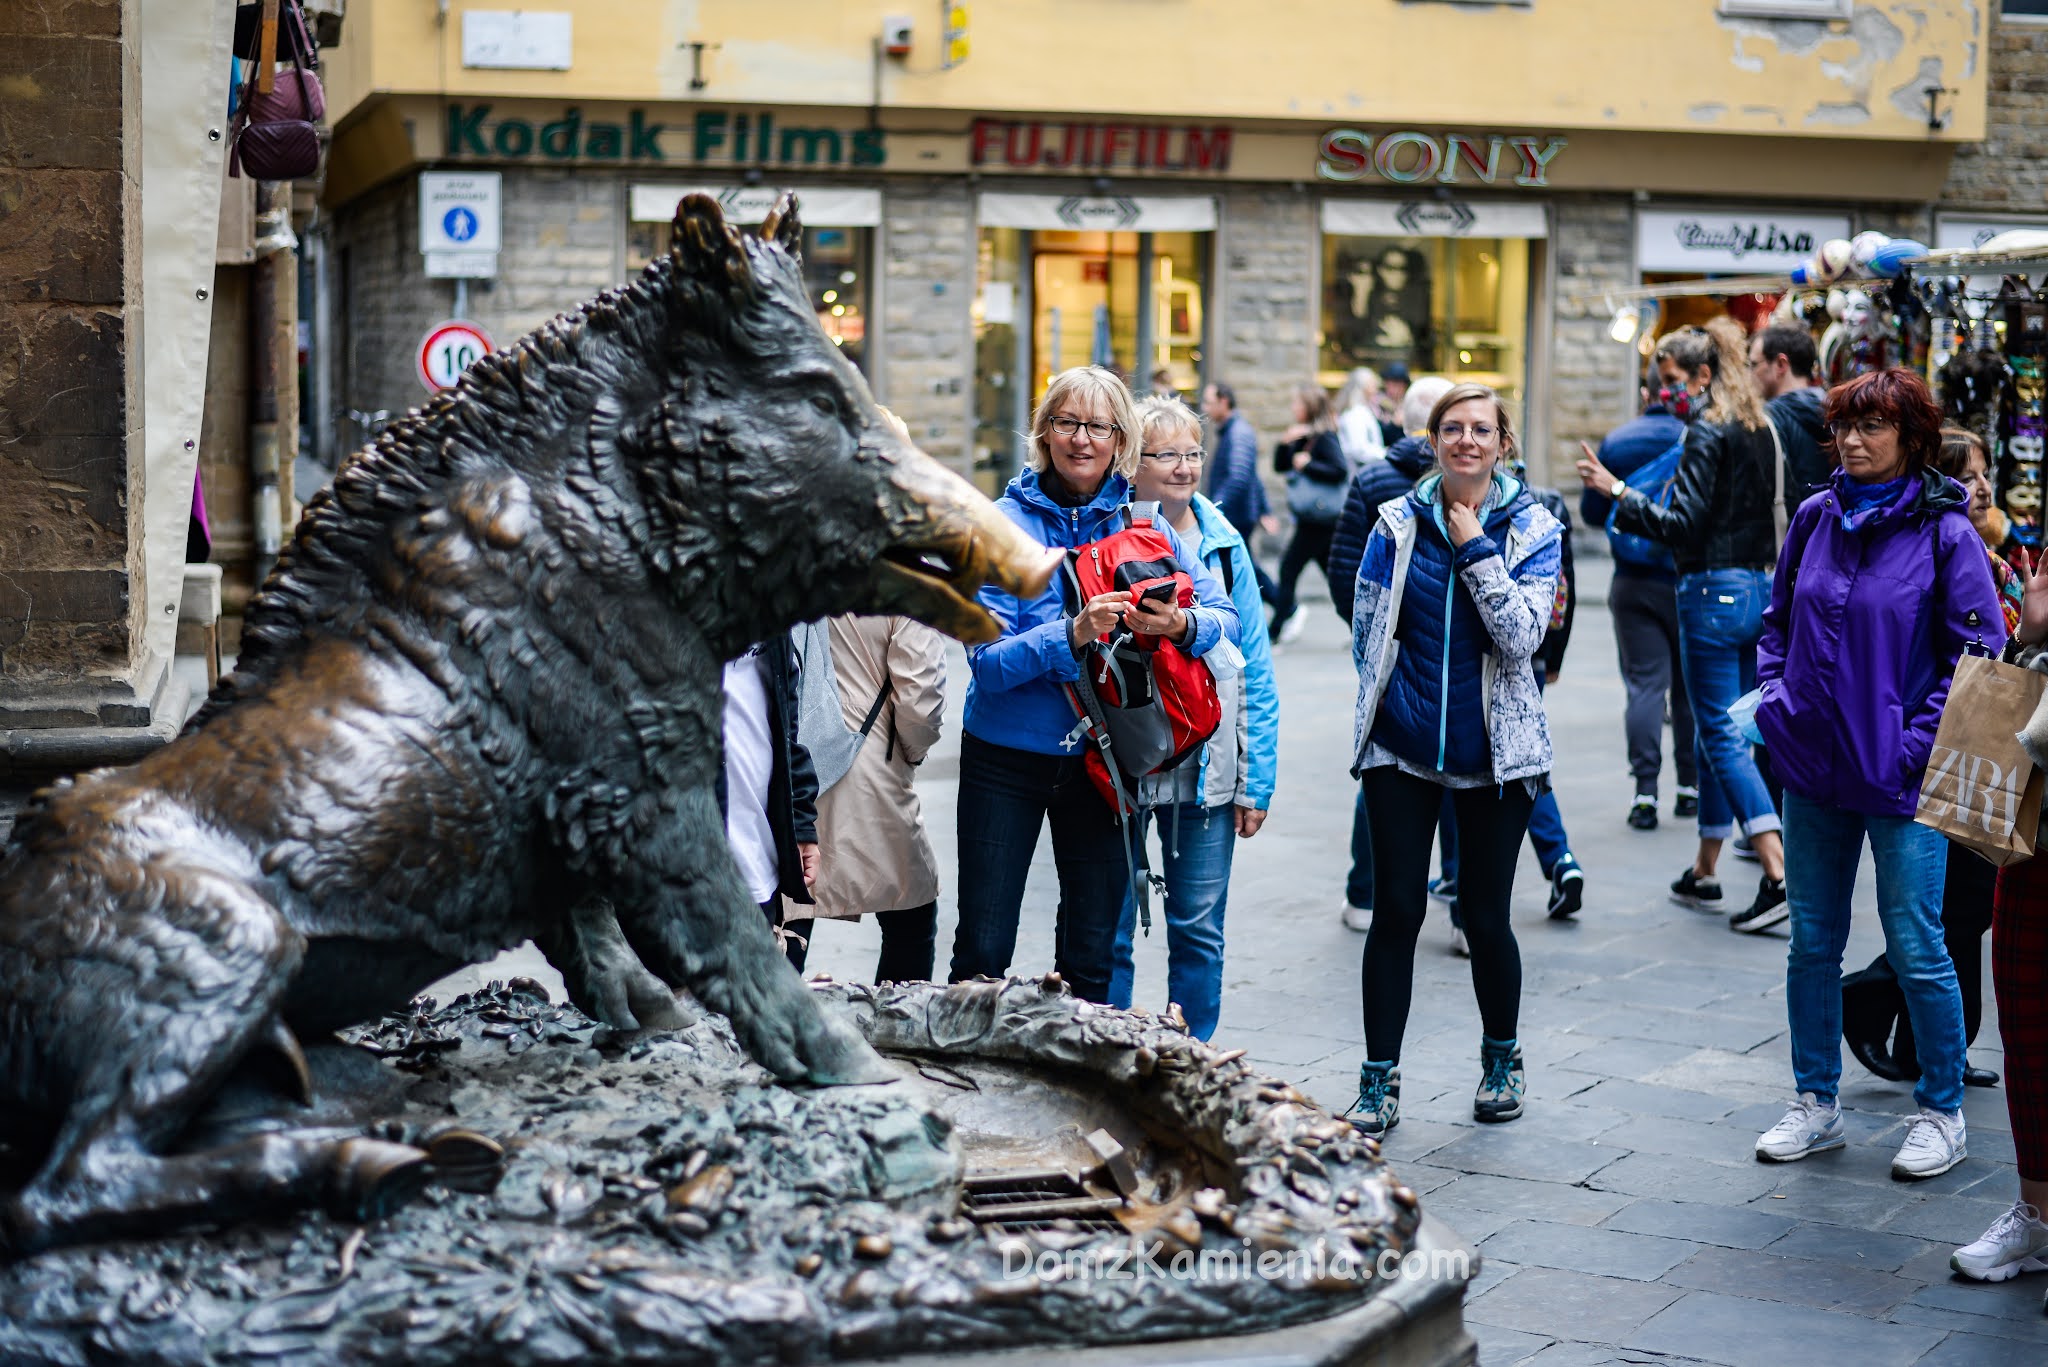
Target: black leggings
(1491, 823)
(1311, 542)
(908, 939)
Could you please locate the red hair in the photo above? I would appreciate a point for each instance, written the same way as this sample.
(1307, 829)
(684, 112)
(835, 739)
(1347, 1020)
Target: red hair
(1899, 397)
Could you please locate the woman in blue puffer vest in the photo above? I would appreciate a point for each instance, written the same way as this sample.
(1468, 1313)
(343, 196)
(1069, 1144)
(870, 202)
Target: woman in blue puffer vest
(1454, 598)
(1021, 764)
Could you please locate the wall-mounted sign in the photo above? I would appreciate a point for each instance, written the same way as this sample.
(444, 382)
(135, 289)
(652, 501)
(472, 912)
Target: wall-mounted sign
(817, 207)
(1406, 157)
(516, 40)
(1100, 213)
(1734, 240)
(449, 349)
(1432, 218)
(1972, 233)
(703, 137)
(459, 223)
(1035, 145)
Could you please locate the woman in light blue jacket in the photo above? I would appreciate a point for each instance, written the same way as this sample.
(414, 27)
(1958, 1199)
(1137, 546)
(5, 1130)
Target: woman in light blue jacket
(1203, 808)
(1021, 764)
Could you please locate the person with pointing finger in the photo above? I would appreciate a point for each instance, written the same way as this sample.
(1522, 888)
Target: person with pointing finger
(1021, 756)
(1453, 598)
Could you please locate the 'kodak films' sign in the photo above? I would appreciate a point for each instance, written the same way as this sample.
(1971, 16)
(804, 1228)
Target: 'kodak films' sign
(698, 137)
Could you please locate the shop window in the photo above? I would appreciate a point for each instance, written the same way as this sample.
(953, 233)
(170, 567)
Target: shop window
(1053, 299)
(1446, 306)
(836, 270)
(2033, 10)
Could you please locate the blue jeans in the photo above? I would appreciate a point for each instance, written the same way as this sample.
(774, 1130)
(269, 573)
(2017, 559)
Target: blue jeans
(1358, 883)
(1197, 886)
(1823, 845)
(1720, 619)
(1006, 796)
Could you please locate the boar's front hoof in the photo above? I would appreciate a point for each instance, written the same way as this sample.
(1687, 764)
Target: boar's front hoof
(373, 1178)
(464, 1160)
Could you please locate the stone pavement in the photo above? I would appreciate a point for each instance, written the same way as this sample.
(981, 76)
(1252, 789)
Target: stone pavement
(1623, 1219)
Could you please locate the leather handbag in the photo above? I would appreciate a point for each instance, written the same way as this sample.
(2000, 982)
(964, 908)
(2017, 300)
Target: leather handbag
(278, 137)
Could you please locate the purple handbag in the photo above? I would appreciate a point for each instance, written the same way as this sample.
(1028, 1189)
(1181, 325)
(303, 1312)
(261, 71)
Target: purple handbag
(279, 137)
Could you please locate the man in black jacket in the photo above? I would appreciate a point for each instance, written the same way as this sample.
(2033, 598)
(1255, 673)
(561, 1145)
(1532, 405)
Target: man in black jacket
(1782, 361)
(768, 789)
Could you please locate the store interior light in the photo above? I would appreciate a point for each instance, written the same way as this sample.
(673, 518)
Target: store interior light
(831, 296)
(838, 310)
(1626, 320)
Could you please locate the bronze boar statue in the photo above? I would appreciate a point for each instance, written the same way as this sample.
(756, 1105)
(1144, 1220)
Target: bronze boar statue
(478, 697)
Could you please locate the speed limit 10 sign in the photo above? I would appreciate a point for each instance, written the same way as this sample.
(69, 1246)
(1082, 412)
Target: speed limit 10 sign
(449, 350)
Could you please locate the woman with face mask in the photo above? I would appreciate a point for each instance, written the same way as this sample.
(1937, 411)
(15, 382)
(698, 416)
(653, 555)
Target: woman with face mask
(1721, 528)
(1454, 597)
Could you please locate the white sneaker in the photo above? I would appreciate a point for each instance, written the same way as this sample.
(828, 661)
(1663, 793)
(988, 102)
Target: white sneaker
(1933, 1146)
(1458, 945)
(1808, 1127)
(2014, 1244)
(1357, 917)
(1291, 629)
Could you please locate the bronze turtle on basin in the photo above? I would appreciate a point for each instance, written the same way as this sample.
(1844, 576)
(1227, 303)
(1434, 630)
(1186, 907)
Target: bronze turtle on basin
(480, 688)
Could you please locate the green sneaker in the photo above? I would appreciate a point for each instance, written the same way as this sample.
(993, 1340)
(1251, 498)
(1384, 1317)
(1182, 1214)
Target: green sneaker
(1378, 1108)
(1500, 1088)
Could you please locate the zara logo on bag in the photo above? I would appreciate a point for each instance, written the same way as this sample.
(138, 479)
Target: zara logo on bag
(1972, 776)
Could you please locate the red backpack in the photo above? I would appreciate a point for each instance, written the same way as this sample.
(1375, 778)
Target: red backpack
(1144, 705)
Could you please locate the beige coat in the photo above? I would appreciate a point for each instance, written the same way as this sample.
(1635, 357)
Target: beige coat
(873, 854)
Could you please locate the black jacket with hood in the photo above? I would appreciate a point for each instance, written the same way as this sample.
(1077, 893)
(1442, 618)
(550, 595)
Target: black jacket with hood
(1378, 480)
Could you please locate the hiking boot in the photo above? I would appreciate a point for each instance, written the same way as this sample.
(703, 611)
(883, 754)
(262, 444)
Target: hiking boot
(1769, 908)
(1687, 803)
(1444, 889)
(1567, 889)
(1809, 1127)
(1500, 1087)
(1691, 890)
(1642, 815)
(2016, 1242)
(1935, 1144)
(1357, 917)
(1378, 1108)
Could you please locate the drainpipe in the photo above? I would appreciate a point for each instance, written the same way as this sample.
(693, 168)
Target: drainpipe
(272, 356)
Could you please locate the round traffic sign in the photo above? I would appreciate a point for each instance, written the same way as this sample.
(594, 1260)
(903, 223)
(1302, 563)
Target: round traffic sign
(459, 223)
(447, 351)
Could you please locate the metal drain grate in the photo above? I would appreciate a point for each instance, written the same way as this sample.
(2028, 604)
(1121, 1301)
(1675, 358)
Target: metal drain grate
(1020, 1202)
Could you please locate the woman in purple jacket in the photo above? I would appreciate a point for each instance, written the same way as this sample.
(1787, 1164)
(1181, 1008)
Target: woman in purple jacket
(1882, 584)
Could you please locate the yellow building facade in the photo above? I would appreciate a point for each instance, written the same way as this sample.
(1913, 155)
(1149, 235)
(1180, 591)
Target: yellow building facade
(1258, 195)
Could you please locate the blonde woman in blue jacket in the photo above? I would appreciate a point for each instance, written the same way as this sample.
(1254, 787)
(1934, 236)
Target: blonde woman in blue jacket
(1454, 597)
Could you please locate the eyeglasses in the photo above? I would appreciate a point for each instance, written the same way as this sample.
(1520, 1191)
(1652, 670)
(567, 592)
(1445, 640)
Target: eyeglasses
(1866, 427)
(1101, 431)
(1480, 432)
(1175, 458)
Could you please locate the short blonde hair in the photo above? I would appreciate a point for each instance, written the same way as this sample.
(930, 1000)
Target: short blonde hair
(1158, 415)
(1093, 382)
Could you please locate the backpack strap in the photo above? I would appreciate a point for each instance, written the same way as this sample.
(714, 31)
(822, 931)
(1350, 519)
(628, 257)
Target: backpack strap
(1227, 568)
(875, 710)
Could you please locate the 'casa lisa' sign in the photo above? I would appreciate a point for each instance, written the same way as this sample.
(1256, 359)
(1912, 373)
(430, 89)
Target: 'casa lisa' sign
(1410, 158)
(704, 137)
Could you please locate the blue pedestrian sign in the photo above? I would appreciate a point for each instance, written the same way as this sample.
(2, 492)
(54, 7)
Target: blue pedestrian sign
(459, 223)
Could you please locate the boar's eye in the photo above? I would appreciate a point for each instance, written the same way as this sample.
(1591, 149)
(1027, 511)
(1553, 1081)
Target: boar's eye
(825, 407)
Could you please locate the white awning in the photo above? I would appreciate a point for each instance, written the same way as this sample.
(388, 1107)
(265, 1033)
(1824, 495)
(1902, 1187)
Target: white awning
(1432, 217)
(818, 207)
(1101, 213)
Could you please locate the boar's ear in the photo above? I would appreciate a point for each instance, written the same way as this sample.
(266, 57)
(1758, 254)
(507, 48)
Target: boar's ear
(705, 246)
(782, 226)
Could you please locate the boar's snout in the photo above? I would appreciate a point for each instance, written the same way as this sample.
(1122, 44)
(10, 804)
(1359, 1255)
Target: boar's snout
(946, 541)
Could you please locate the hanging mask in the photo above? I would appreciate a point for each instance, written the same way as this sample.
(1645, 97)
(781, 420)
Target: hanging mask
(1679, 403)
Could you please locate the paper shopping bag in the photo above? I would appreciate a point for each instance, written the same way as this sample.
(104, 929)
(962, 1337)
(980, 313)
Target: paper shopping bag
(1980, 788)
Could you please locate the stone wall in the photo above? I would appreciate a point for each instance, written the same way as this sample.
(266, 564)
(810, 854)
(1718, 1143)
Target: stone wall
(2008, 171)
(924, 358)
(70, 359)
(1263, 320)
(1592, 376)
(563, 243)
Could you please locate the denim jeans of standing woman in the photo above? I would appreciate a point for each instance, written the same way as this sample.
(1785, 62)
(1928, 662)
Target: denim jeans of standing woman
(1823, 845)
(1006, 796)
(1195, 863)
(1720, 619)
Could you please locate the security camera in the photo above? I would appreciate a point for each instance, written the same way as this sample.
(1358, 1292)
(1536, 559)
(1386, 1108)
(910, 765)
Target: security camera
(896, 30)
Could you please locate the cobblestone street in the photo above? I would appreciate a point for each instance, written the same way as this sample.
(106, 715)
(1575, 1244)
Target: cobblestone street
(1623, 1218)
